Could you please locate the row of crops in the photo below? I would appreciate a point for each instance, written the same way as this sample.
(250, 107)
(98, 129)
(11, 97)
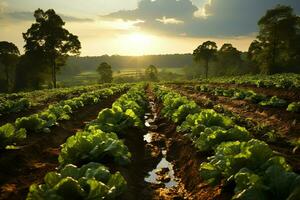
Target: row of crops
(41, 122)
(265, 81)
(18, 102)
(82, 172)
(256, 171)
(250, 95)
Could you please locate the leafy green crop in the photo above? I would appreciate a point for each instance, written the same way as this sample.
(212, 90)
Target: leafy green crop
(274, 101)
(206, 118)
(91, 181)
(9, 134)
(93, 146)
(32, 123)
(210, 138)
(13, 106)
(184, 110)
(294, 107)
(231, 157)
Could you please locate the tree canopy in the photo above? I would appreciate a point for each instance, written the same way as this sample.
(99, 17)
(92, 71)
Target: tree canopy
(151, 73)
(277, 44)
(49, 37)
(207, 51)
(105, 72)
(9, 54)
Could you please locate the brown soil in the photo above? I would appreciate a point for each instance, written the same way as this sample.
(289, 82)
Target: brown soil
(186, 161)
(39, 153)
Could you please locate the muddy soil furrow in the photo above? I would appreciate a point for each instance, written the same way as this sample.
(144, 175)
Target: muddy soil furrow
(184, 159)
(39, 153)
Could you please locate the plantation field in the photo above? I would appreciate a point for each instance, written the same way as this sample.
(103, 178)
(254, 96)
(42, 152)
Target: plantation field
(221, 138)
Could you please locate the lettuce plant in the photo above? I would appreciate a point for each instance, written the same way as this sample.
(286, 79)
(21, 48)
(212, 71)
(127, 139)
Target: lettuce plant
(210, 138)
(91, 181)
(294, 107)
(93, 146)
(9, 135)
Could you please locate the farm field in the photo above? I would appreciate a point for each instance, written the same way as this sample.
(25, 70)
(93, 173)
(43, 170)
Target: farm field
(189, 140)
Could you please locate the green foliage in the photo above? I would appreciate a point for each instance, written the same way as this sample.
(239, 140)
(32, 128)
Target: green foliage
(32, 123)
(260, 80)
(93, 146)
(184, 110)
(294, 107)
(13, 106)
(151, 73)
(91, 181)
(275, 49)
(230, 157)
(105, 72)
(206, 118)
(210, 138)
(42, 121)
(274, 102)
(115, 120)
(49, 37)
(9, 55)
(9, 135)
(207, 51)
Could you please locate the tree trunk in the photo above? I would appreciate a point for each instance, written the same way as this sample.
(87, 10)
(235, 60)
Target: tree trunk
(206, 69)
(54, 74)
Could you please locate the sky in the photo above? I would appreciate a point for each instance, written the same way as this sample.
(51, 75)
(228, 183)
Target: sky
(140, 27)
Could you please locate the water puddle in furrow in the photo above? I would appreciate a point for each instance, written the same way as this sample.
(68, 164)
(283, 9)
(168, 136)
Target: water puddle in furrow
(164, 172)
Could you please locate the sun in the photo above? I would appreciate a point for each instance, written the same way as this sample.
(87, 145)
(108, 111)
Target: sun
(139, 38)
(136, 43)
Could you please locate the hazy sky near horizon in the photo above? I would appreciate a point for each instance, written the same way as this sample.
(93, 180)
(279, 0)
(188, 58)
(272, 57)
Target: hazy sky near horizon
(138, 27)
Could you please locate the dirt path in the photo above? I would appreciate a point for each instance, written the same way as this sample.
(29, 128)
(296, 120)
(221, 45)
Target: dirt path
(20, 168)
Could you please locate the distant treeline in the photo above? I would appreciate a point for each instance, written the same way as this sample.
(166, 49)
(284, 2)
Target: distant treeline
(76, 65)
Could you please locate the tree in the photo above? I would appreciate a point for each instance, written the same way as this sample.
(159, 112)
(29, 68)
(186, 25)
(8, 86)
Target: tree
(275, 45)
(106, 73)
(207, 52)
(229, 58)
(151, 73)
(49, 36)
(9, 54)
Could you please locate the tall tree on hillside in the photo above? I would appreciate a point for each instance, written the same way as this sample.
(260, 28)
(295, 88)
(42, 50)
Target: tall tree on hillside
(105, 72)
(49, 36)
(151, 73)
(207, 52)
(275, 46)
(9, 54)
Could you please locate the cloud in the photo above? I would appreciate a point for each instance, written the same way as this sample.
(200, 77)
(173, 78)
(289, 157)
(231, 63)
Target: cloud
(22, 16)
(165, 20)
(214, 18)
